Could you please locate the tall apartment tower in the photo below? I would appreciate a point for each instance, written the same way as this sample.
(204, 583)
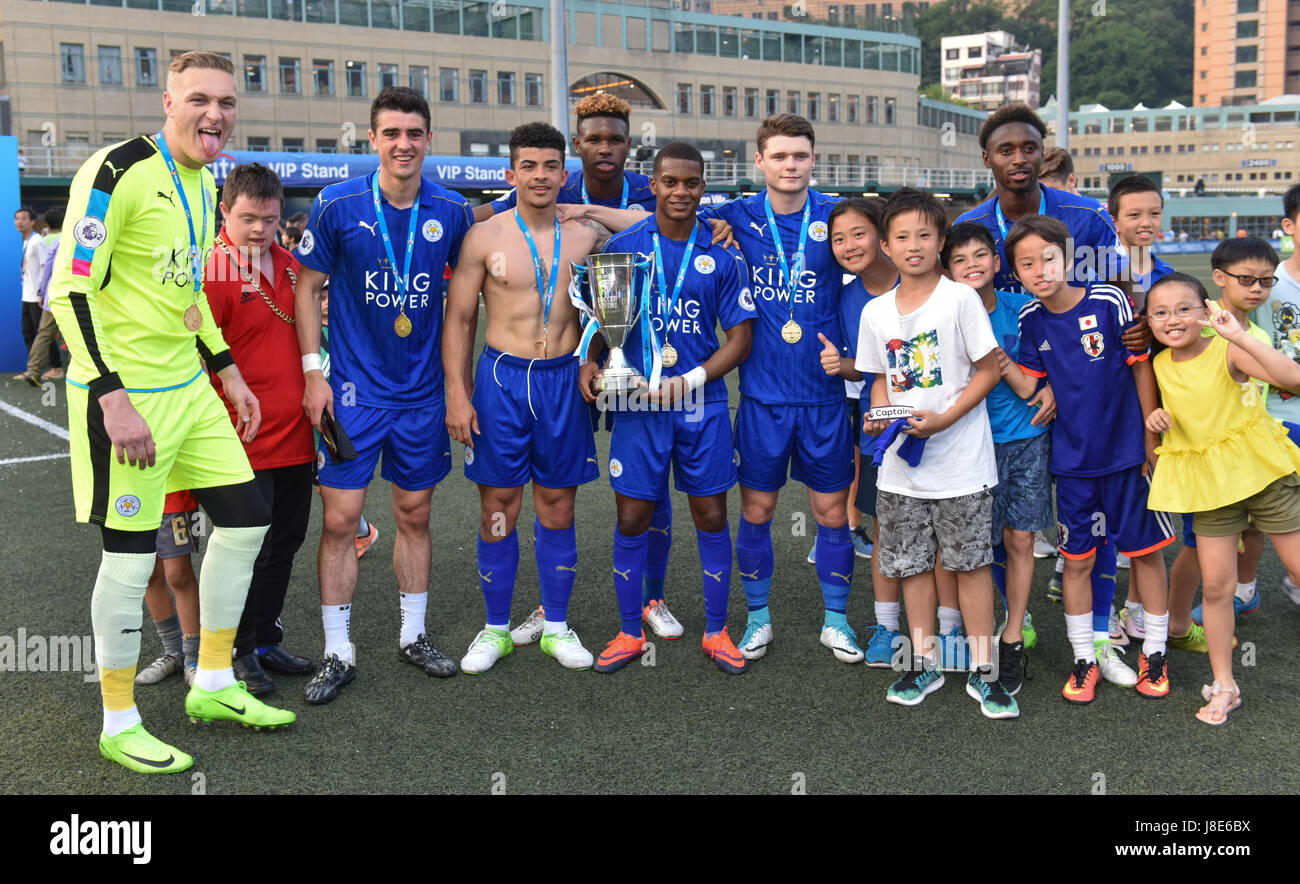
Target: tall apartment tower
(1247, 51)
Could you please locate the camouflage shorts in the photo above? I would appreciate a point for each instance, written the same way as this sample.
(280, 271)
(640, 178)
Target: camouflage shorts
(914, 529)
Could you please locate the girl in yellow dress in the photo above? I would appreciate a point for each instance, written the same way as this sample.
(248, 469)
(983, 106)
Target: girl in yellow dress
(1224, 458)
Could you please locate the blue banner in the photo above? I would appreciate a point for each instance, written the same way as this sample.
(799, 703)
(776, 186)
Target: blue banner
(320, 169)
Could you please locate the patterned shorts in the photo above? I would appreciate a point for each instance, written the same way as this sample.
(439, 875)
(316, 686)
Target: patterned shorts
(914, 529)
(1022, 499)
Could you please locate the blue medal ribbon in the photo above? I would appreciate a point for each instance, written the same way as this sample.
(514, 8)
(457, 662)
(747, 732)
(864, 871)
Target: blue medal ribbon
(196, 262)
(587, 199)
(791, 277)
(651, 357)
(681, 275)
(1002, 219)
(544, 289)
(403, 281)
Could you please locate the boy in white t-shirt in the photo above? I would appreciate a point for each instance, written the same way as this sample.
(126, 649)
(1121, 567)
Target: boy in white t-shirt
(931, 348)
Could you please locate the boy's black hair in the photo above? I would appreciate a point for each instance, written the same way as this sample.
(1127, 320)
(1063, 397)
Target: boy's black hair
(963, 233)
(1291, 202)
(540, 135)
(1186, 279)
(1051, 230)
(402, 99)
(871, 207)
(54, 218)
(909, 199)
(1241, 248)
(1017, 112)
(1131, 184)
(678, 150)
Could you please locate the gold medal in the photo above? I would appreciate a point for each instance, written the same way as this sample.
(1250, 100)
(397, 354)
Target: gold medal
(791, 332)
(668, 356)
(193, 318)
(402, 325)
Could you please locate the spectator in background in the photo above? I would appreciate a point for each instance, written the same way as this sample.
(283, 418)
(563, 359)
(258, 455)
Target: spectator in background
(290, 236)
(45, 346)
(1058, 170)
(34, 254)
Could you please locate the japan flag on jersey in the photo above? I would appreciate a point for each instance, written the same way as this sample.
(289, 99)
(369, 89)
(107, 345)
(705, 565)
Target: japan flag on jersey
(1087, 322)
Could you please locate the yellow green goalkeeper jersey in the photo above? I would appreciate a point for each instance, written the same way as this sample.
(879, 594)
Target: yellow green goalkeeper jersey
(119, 293)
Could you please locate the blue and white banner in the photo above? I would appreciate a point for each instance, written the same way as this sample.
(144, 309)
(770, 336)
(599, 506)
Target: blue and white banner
(320, 169)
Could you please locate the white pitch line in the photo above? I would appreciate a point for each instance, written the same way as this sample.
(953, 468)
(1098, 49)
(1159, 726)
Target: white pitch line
(10, 460)
(35, 421)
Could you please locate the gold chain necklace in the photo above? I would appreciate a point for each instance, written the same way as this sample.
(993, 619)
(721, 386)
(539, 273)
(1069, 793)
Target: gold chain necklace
(293, 281)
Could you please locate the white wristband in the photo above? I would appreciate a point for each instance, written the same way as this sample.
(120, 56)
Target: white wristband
(311, 362)
(695, 378)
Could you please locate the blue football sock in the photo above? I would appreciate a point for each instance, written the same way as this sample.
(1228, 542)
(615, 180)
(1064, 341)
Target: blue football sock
(557, 567)
(661, 543)
(715, 561)
(999, 569)
(629, 570)
(1103, 586)
(497, 564)
(835, 567)
(755, 560)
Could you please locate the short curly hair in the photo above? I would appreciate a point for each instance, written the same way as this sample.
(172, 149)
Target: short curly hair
(602, 104)
(1016, 112)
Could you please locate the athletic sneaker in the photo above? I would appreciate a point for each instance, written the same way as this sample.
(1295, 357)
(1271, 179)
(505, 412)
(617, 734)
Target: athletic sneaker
(234, 703)
(1054, 587)
(330, 677)
(1153, 676)
(1118, 637)
(994, 699)
(1028, 632)
(161, 669)
(1292, 591)
(190, 670)
(1043, 548)
(1081, 687)
(1113, 669)
(954, 653)
(914, 687)
(1131, 619)
(565, 647)
(1011, 666)
(1121, 561)
(721, 650)
(489, 646)
(862, 545)
(138, 750)
(880, 648)
(1194, 640)
(660, 620)
(423, 654)
(1238, 607)
(530, 630)
(364, 543)
(753, 644)
(843, 642)
(620, 652)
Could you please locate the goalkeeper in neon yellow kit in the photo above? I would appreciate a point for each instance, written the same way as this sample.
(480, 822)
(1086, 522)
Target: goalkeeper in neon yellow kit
(143, 421)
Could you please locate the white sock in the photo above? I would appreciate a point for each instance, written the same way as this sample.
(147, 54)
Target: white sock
(887, 615)
(413, 606)
(1246, 591)
(1060, 564)
(1100, 636)
(1026, 619)
(214, 679)
(337, 620)
(949, 619)
(116, 721)
(363, 528)
(555, 627)
(1157, 633)
(499, 627)
(1079, 628)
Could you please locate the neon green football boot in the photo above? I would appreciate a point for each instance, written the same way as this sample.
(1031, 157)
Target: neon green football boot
(234, 703)
(138, 750)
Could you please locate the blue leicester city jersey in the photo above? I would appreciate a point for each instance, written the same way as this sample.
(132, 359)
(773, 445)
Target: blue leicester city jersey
(715, 290)
(1097, 252)
(638, 194)
(1009, 416)
(1098, 428)
(343, 240)
(775, 372)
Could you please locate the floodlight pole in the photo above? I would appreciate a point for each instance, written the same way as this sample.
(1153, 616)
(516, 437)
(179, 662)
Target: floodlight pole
(1063, 74)
(560, 68)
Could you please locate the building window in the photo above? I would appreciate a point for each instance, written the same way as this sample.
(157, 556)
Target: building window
(814, 105)
(792, 101)
(505, 87)
(728, 101)
(870, 117)
(146, 67)
(850, 13)
(1247, 54)
(1248, 28)
(751, 102)
(773, 102)
(255, 73)
(259, 142)
(891, 107)
(326, 145)
(683, 98)
(323, 73)
(975, 52)
(1247, 6)
(851, 109)
(292, 145)
(74, 62)
(533, 90)
(448, 84)
(419, 77)
(478, 87)
(832, 108)
(1244, 79)
(289, 76)
(110, 65)
(706, 101)
(356, 79)
(952, 53)
(388, 76)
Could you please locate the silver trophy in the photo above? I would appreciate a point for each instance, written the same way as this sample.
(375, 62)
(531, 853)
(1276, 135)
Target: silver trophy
(614, 298)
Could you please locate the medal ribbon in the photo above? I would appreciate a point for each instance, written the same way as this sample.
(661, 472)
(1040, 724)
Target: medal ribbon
(681, 274)
(587, 199)
(791, 278)
(1002, 219)
(196, 264)
(402, 282)
(651, 357)
(545, 290)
